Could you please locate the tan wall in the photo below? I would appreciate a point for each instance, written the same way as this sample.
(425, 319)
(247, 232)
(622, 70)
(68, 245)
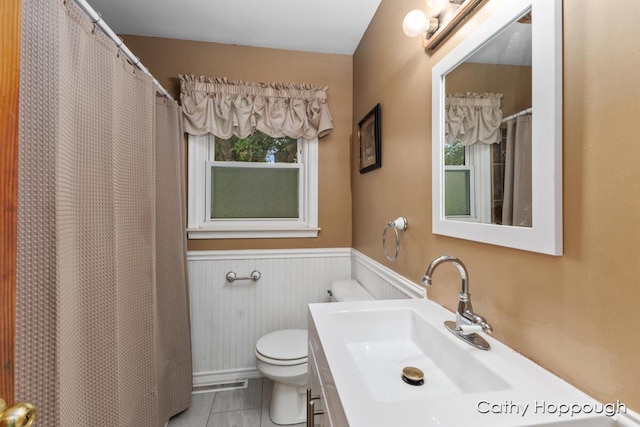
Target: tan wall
(576, 315)
(513, 82)
(166, 58)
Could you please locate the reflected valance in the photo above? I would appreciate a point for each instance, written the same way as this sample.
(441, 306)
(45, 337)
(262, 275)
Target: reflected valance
(473, 117)
(224, 108)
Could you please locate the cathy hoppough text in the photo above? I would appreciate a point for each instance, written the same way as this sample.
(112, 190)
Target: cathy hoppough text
(553, 408)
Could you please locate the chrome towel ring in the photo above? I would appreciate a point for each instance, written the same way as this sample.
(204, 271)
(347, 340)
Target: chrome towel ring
(399, 224)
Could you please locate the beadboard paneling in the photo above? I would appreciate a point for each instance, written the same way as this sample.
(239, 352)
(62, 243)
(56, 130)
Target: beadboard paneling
(380, 281)
(227, 319)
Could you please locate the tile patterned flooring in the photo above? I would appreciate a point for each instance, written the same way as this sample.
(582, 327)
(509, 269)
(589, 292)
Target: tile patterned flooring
(236, 408)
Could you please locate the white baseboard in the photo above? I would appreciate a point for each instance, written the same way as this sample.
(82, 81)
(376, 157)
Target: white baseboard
(209, 378)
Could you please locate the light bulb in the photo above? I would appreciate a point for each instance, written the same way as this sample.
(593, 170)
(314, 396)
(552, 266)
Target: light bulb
(436, 6)
(414, 23)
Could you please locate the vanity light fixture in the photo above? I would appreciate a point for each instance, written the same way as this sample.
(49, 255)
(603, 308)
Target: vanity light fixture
(440, 18)
(416, 23)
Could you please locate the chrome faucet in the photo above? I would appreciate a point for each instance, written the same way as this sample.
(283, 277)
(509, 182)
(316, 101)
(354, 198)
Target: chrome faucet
(467, 322)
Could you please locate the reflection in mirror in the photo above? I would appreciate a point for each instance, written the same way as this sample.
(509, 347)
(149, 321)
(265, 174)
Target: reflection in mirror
(497, 171)
(487, 152)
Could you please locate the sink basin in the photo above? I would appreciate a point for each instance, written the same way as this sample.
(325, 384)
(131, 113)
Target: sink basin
(367, 344)
(384, 341)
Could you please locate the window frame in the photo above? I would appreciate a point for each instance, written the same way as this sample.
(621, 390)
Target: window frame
(201, 155)
(477, 159)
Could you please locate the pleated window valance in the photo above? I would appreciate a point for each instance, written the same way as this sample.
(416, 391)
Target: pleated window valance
(473, 117)
(223, 108)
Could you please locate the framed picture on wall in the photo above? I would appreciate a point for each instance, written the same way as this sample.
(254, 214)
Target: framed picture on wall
(369, 139)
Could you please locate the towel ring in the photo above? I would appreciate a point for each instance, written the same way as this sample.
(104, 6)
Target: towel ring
(400, 224)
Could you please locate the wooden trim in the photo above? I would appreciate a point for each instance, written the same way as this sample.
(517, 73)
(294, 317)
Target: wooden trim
(10, 16)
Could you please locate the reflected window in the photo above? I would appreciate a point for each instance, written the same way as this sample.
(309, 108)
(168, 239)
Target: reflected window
(459, 182)
(457, 198)
(467, 181)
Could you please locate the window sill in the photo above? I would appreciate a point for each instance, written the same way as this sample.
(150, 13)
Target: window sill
(252, 233)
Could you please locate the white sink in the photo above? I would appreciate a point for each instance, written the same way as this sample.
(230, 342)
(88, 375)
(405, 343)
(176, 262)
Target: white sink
(384, 341)
(367, 344)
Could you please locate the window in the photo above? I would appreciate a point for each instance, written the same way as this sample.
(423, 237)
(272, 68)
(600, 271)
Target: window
(256, 187)
(467, 181)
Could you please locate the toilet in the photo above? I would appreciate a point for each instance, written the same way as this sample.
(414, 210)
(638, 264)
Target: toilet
(282, 357)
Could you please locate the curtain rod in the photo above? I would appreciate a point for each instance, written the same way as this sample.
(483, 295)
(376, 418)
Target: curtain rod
(521, 113)
(99, 22)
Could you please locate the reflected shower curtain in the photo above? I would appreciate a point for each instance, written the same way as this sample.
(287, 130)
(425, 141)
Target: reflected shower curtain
(96, 342)
(516, 208)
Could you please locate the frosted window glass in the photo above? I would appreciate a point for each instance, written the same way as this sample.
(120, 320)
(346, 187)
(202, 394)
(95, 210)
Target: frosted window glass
(239, 192)
(457, 195)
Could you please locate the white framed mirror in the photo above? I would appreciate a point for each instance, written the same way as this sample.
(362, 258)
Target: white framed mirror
(497, 131)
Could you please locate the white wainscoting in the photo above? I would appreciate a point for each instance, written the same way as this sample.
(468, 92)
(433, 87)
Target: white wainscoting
(381, 281)
(227, 319)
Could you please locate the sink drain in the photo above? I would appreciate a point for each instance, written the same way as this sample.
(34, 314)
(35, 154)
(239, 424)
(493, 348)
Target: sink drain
(412, 376)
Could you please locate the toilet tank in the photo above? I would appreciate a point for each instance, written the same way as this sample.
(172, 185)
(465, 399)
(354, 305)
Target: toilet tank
(348, 290)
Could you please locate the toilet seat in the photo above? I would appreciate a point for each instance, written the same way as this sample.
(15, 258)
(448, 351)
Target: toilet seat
(285, 347)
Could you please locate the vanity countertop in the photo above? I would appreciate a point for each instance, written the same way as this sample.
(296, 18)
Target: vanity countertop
(367, 344)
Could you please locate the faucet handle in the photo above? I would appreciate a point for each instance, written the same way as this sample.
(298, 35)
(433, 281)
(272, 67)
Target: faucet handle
(478, 320)
(486, 327)
(468, 329)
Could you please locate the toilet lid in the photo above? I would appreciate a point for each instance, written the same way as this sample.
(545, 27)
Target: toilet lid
(286, 344)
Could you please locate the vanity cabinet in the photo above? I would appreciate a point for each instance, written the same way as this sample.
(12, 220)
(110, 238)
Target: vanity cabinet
(328, 411)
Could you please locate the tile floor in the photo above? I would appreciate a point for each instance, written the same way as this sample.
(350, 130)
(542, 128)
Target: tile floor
(236, 408)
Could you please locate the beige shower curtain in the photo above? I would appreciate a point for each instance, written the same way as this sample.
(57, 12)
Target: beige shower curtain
(102, 326)
(172, 300)
(516, 208)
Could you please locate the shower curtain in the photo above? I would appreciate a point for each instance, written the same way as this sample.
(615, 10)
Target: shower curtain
(516, 207)
(102, 321)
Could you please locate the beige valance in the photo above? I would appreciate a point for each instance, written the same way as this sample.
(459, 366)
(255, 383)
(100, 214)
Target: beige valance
(473, 117)
(224, 108)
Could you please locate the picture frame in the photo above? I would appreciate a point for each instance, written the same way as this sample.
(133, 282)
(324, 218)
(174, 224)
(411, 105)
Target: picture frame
(369, 141)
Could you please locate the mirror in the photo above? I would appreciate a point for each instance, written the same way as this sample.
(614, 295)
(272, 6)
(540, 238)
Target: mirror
(497, 131)
(487, 175)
